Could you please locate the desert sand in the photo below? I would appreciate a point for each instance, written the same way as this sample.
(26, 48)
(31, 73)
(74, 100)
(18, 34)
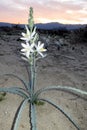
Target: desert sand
(66, 67)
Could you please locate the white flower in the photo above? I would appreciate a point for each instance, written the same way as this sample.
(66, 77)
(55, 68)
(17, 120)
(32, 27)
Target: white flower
(27, 49)
(28, 35)
(40, 48)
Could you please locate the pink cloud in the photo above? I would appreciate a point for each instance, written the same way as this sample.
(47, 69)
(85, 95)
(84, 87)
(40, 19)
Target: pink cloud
(17, 10)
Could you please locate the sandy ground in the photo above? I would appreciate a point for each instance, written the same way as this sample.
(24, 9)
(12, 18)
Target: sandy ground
(66, 67)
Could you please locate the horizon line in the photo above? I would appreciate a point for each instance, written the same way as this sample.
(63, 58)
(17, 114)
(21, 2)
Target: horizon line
(45, 23)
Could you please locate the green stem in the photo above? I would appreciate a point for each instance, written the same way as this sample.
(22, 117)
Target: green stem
(32, 75)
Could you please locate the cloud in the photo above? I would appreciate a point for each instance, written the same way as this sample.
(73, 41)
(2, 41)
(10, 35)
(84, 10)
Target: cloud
(45, 10)
(10, 5)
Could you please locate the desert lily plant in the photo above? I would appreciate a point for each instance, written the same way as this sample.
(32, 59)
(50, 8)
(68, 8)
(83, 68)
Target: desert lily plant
(32, 50)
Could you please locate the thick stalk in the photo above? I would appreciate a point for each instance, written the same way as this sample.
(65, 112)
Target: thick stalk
(32, 75)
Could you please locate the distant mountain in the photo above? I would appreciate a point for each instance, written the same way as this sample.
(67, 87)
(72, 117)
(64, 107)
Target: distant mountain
(56, 26)
(2, 24)
(48, 26)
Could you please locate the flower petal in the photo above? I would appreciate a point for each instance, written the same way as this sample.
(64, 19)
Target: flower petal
(23, 34)
(28, 32)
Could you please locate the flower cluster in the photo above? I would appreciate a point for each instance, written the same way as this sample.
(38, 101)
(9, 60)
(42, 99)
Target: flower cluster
(31, 47)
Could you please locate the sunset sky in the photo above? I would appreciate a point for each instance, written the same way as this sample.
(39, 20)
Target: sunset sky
(63, 11)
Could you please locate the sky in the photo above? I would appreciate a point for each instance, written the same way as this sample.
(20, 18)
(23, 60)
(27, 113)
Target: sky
(62, 11)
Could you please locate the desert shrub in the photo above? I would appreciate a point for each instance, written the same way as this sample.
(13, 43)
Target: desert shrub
(2, 96)
(78, 36)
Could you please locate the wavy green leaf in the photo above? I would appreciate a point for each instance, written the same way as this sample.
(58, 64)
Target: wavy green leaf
(60, 109)
(23, 82)
(62, 88)
(32, 117)
(18, 114)
(14, 90)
